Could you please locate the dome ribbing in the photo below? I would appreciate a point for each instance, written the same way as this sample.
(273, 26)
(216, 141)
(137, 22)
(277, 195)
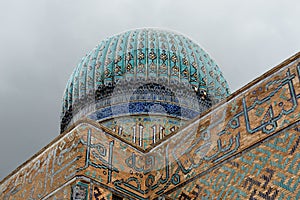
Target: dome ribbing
(140, 72)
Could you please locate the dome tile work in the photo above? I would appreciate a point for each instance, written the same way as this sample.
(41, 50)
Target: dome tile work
(244, 148)
(149, 72)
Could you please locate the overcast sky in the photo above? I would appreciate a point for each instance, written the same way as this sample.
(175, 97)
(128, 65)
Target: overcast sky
(41, 41)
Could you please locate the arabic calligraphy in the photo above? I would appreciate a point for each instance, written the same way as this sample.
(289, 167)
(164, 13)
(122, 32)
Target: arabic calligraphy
(189, 158)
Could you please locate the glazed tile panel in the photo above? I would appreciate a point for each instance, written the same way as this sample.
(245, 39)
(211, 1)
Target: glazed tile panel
(47, 171)
(243, 123)
(270, 170)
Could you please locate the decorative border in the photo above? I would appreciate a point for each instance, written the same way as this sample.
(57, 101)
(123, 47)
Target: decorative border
(143, 108)
(83, 186)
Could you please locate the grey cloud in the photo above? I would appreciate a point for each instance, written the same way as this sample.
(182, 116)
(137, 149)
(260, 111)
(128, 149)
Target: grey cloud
(42, 41)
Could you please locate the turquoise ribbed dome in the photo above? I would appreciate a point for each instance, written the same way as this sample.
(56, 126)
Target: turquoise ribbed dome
(151, 60)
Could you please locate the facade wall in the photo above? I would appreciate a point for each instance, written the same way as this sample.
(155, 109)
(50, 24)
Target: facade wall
(245, 148)
(270, 170)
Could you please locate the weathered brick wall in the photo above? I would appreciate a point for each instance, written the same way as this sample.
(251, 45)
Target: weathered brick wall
(47, 171)
(245, 148)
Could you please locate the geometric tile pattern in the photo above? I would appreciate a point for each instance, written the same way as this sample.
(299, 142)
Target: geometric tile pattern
(270, 170)
(245, 148)
(149, 56)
